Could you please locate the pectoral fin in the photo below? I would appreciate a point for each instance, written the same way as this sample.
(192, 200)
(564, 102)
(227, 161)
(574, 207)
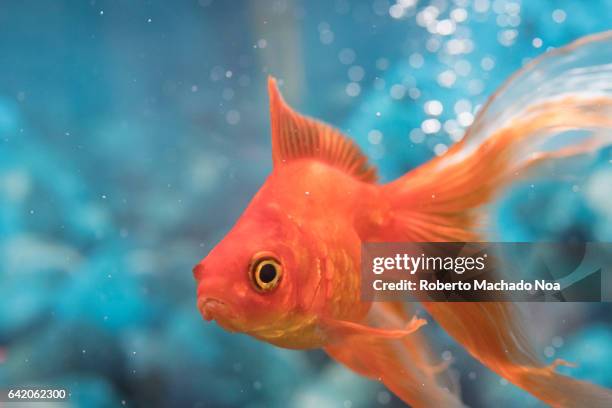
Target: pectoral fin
(343, 328)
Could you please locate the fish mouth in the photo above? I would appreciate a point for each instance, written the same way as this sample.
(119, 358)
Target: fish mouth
(212, 308)
(222, 313)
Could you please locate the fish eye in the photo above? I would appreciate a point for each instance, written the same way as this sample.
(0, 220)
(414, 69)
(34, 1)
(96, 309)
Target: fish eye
(265, 272)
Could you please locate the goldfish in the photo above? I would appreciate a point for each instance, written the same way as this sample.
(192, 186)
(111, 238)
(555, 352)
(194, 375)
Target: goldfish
(288, 272)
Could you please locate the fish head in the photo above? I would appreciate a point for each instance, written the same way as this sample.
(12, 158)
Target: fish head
(262, 280)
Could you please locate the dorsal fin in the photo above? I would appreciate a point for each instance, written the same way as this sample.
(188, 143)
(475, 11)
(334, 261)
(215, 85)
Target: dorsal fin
(297, 136)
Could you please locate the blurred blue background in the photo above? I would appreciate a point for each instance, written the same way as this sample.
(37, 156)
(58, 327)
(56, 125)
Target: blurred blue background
(133, 133)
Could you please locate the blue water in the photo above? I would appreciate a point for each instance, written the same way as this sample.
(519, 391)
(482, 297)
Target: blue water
(132, 135)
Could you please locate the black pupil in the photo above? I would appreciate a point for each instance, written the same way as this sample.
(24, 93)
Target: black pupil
(267, 273)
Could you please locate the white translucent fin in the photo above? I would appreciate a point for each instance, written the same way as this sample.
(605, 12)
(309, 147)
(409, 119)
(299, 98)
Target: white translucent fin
(559, 105)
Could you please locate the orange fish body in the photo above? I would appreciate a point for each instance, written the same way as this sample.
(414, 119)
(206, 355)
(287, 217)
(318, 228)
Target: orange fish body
(288, 273)
(287, 220)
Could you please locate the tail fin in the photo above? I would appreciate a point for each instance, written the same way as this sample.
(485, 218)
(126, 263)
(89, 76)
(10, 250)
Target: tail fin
(492, 332)
(559, 105)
